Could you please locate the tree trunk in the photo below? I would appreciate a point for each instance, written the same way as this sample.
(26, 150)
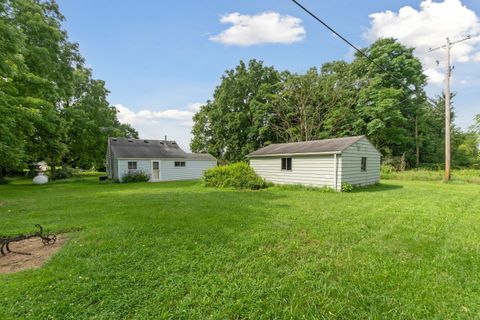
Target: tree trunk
(417, 144)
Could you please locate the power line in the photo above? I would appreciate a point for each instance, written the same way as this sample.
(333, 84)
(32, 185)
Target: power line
(357, 49)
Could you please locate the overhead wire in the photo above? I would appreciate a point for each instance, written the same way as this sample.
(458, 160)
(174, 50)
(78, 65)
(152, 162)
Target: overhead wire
(359, 51)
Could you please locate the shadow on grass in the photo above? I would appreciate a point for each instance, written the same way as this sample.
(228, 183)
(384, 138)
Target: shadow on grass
(377, 188)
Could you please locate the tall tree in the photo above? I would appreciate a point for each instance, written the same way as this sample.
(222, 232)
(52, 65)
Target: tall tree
(14, 120)
(238, 119)
(476, 126)
(391, 96)
(44, 80)
(298, 108)
(90, 120)
(50, 106)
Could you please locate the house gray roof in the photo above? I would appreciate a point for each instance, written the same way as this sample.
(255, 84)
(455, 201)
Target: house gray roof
(314, 146)
(125, 148)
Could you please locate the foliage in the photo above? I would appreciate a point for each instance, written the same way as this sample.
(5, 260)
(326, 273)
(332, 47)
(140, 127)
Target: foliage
(135, 176)
(347, 187)
(387, 169)
(50, 107)
(234, 123)
(476, 125)
(255, 105)
(237, 175)
(178, 250)
(63, 173)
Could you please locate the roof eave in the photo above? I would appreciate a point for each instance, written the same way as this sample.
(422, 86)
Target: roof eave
(292, 154)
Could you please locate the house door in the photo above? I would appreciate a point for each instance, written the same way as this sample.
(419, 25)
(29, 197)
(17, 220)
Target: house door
(156, 170)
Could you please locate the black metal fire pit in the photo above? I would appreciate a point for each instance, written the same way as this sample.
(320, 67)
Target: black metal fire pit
(46, 239)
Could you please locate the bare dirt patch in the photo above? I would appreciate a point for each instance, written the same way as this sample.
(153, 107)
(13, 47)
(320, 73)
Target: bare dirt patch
(29, 254)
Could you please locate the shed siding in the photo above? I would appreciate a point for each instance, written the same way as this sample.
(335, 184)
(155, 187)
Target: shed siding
(351, 163)
(142, 165)
(315, 170)
(193, 169)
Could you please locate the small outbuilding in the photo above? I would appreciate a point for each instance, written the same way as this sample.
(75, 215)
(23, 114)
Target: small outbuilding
(321, 163)
(162, 160)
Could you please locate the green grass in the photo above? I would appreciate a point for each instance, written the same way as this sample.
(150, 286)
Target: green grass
(400, 250)
(458, 175)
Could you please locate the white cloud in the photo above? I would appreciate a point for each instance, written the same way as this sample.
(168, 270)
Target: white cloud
(151, 124)
(434, 75)
(266, 27)
(195, 107)
(429, 27)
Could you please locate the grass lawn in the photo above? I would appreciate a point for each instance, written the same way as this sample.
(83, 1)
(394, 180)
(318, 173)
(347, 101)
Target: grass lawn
(404, 249)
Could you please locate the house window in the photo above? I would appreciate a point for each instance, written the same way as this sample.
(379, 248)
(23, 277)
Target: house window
(364, 163)
(179, 163)
(287, 164)
(132, 165)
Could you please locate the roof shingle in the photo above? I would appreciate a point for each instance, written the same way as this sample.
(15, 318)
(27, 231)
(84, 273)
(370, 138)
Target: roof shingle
(314, 146)
(151, 149)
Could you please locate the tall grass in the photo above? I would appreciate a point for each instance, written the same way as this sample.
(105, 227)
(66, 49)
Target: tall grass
(458, 175)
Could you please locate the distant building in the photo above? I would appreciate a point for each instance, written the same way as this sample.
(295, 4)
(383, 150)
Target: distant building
(328, 162)
(162, 160)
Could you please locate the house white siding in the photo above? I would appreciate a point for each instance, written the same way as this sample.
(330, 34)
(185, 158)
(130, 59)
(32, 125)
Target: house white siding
(142, 165)
(352, 164)
(168, 172)
(312, 170)
(193, 169)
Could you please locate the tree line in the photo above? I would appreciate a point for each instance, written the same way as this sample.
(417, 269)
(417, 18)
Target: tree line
(256, 105)
(51, 108)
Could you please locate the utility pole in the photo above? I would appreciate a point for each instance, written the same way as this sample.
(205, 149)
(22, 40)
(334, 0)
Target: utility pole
(448, 74)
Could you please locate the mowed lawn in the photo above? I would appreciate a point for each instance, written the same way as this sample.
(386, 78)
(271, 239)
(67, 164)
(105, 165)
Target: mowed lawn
(401, 250)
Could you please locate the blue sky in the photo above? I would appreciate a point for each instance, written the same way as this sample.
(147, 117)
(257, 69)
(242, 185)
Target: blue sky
(161, 60)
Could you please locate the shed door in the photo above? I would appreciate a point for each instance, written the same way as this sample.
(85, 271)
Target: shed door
(156, 170)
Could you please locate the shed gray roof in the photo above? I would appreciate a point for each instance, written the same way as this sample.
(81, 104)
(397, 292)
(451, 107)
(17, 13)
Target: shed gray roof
(125, 148)
(314, 146)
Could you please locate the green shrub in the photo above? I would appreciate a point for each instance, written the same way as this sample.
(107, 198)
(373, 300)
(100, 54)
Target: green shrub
(63, 173)
(347, 187)
(238, 175)
(135, 176)
(387, 169)
(3, 180)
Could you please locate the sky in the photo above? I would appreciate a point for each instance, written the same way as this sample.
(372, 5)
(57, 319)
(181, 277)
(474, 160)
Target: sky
(161, 60)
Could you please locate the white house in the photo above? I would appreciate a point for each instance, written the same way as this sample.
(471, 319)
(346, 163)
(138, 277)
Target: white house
(162, 160)
(322, 163)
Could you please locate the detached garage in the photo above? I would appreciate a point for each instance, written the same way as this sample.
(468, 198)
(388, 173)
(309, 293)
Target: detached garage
(321, 163)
